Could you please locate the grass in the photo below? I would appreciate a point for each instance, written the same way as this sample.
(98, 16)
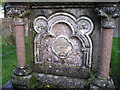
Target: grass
(9, 62)
(115, 59)
(0, 61)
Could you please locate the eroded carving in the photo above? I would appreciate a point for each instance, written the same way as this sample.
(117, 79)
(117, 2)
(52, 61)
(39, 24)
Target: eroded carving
(40, 25)
(62, 47)
(64, 40)
(18, 14)
(108, 16)
(85, 25)
(17, 11)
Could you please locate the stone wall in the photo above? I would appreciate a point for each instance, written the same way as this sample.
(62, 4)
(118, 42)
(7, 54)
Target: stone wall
(5, 26)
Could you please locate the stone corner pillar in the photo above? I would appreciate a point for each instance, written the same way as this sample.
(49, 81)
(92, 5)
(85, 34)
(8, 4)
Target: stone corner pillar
(18, 13)
(108, 14)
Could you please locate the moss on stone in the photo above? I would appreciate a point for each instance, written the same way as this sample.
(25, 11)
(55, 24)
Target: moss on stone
(33, 82)
(62, 69)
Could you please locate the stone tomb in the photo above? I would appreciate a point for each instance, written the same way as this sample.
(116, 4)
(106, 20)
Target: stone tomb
(70, 43)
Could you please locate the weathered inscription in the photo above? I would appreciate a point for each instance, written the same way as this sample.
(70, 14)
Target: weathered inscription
(62, 47)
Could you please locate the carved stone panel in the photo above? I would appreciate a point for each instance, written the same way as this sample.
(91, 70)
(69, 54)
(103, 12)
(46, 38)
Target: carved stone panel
(62, 39)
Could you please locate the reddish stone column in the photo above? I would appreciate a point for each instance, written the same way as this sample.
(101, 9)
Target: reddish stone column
(18, 14)
(106, 46)
(108, 15)
(20, 45)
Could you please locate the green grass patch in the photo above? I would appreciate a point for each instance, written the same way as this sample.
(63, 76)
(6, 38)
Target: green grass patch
(115, 58)
(0, 61)
(0, 46)
(9, 62)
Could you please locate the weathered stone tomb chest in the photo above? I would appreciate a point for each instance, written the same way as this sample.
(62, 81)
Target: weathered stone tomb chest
(70, 43)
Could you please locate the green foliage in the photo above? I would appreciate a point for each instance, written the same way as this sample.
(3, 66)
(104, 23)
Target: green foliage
(2, 2)
(33, 82)
(115, 59)
(47, 86)
(0, 62)
(92, 76)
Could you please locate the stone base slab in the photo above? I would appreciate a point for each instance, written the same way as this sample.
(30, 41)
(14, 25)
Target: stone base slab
(38, 80)
(102, 83)
(20, 81)
(61, 81)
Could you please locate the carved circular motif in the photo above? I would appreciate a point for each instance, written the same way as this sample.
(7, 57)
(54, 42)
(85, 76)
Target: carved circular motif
(40, 24)
(85, 25)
